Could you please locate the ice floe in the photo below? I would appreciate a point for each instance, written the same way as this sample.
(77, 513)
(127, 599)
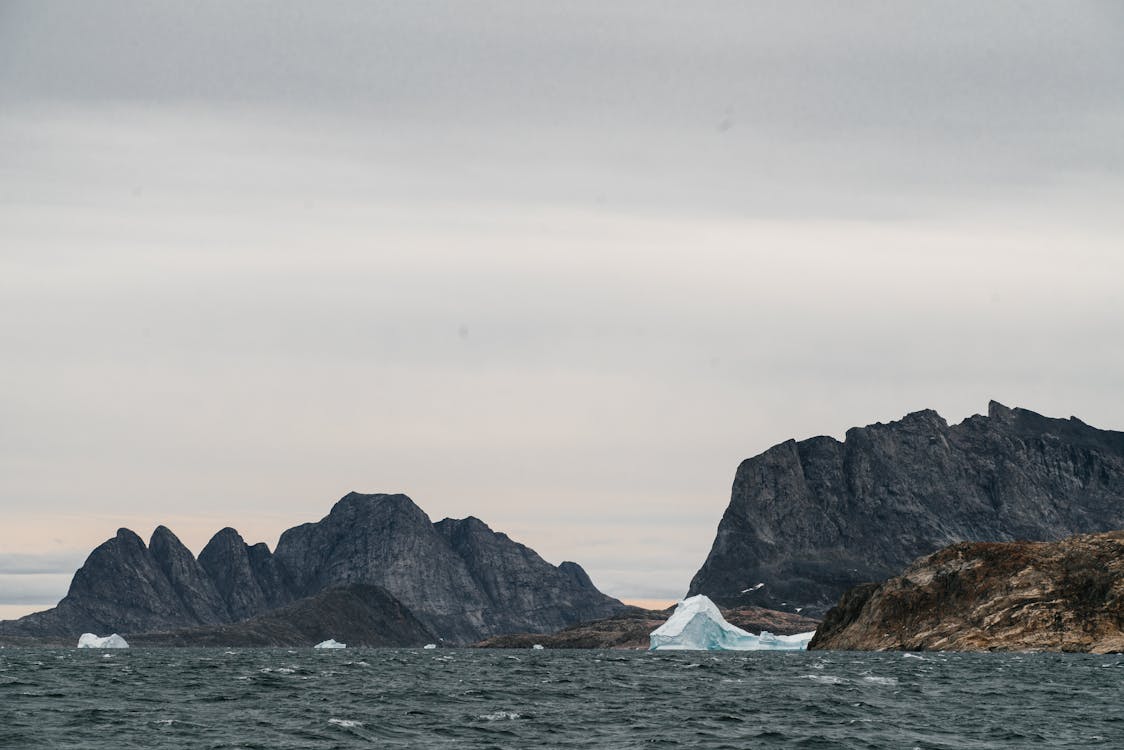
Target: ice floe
(346, 723)
(698, 625)
(330, 643)
(90, 640)
(430, 646)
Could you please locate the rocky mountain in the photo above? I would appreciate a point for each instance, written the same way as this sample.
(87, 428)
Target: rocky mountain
(632, 628)
(461, 580)
(808, 520)
(249, 580)
(125, 586)
(358, 615)
(1012, 596)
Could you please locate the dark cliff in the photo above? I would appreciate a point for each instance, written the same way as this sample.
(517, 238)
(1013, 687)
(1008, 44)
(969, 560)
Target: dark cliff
(811, 519)
(464, 581)
(248, 579)
(523, 591)
(991, 596)
(459, 579)
(124, 587)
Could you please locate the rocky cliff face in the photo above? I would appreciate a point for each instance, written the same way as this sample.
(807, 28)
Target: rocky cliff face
(190, 582)
(811, 519)
(464, 581)
(125, 586)
(248, 579)
(523, 591)
(459, 579)
(1013, 596)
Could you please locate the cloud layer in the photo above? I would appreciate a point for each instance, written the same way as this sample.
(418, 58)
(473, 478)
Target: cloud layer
(561, 269)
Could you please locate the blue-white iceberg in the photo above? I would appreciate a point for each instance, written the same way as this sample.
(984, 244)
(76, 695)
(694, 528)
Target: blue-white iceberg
(698, 625)
(330, 643)
(90, 640)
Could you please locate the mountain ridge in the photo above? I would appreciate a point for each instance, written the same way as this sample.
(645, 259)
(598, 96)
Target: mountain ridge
(810, 519)
(461, 580)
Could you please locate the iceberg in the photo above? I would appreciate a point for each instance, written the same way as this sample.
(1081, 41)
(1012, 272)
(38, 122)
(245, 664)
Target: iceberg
(538, 647)
(330, 643)
(430, 646)
(698, 625)
(89, 640)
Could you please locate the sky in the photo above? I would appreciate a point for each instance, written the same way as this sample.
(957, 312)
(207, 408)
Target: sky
(558, 266)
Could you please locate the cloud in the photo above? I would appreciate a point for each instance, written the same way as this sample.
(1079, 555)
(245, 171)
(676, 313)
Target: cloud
(544, 266)
(33, 588)
(58, 563)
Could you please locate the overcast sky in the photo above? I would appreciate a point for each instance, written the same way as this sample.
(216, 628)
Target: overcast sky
(559, 266)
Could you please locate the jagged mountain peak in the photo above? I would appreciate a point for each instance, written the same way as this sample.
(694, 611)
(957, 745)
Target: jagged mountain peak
(463, 580)
(225, 536)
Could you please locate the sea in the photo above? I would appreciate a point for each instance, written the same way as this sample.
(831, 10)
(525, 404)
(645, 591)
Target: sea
(465, 698)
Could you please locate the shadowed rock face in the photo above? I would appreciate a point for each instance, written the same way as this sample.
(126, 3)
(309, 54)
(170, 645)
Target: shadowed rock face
(247, 578)
(358, 615)
(464, 581)
(387, 541)
(811, 519)
(459, 579)
(121, 588)
(1013, 596)
(195, 589)
(523, 591)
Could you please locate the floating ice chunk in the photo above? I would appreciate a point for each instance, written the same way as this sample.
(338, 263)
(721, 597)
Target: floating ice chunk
(330, 643)
(698, 625)
(346, 723)
(89, 640)
(537, 647)
(430, 645)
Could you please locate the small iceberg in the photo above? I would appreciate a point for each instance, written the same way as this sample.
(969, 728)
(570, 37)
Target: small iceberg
(430, 646)
(538, 647)
(89, 640)
(698, 625)
(330, 643)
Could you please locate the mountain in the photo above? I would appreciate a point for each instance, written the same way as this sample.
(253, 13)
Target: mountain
(458, 578)
(463, 580)
(991, 596)
(811, 519)
(125, 586)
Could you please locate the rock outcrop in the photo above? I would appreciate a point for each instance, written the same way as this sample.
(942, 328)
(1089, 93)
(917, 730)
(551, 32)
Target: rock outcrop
(809, 520)
(191, 583)
(458, 578)
(248, 579)
(1013, 596)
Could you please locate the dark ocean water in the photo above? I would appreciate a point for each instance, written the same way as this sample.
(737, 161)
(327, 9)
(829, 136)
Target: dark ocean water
(215, 698)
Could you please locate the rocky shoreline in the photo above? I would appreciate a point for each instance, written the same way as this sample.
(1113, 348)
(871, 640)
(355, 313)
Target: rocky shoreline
(979, 596)
(631, 629)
